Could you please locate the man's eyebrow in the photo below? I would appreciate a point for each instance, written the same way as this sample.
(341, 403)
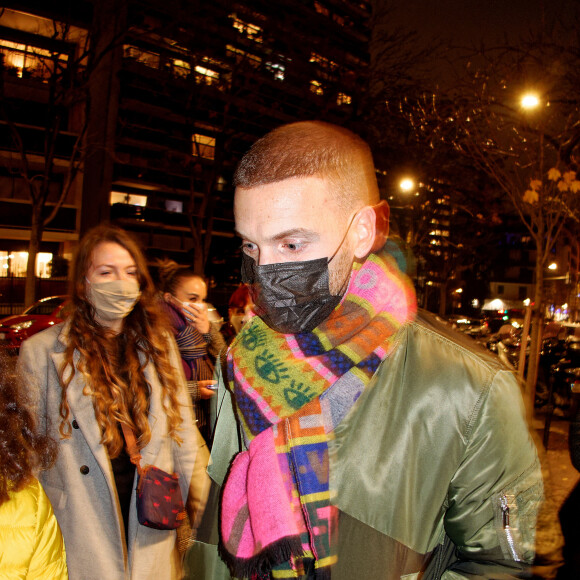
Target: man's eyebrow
(294, 232)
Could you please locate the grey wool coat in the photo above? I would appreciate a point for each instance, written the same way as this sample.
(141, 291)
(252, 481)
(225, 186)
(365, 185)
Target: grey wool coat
(81, 485)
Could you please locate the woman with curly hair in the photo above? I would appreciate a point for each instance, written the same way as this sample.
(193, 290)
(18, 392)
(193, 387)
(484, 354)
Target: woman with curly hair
(31, 544)
(112, 363)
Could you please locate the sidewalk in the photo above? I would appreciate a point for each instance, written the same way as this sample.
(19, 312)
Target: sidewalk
(559, 479)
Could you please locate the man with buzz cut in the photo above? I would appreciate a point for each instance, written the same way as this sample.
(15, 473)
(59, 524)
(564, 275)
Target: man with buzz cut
(353, 438)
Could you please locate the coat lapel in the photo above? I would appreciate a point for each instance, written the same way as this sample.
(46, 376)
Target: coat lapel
(82, 409)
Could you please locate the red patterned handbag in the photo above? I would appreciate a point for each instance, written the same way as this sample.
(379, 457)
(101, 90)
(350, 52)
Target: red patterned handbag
(159, 501)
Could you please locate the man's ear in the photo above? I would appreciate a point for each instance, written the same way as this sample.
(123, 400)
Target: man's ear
(167, 297)
(365, 229)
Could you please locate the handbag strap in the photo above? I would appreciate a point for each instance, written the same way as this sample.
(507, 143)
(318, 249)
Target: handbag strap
(132, 447)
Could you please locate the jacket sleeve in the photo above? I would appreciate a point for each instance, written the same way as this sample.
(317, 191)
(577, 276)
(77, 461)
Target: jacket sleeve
(217, 343)
(495, 495)
(49, 557)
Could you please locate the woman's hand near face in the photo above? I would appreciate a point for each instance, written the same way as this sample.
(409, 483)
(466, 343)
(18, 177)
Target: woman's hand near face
(197, 315)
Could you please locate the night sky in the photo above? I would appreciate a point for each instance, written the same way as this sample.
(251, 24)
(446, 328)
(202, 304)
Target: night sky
(464, 22)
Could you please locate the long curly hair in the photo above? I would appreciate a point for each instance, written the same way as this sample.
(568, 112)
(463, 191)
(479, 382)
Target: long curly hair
(23, 449)
(113, 365)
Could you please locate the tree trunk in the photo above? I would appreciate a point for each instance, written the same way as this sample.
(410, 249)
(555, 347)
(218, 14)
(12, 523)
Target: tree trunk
(33, 247)
(198, 259)
(102, 112)
(537, 324)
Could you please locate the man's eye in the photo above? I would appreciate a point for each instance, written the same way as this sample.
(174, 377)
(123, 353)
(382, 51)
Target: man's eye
(293, 246)
(248, 247)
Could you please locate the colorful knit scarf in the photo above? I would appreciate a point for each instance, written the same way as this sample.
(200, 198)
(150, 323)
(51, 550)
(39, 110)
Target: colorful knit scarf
(192, 346)
(291, 391)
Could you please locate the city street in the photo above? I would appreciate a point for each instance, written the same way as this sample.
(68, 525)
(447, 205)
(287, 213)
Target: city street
(559, 479)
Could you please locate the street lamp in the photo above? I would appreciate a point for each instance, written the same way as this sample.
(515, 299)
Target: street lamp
(406, 184)
(530, 101)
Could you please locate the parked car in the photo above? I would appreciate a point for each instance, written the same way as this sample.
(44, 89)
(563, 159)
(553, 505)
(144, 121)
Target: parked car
(42, 314)
(473, 326)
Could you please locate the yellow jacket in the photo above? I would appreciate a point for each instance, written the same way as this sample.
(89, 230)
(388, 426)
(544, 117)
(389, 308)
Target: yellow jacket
(31, 545)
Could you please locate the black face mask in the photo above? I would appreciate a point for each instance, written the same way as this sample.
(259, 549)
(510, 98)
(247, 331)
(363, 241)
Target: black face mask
(290, 297)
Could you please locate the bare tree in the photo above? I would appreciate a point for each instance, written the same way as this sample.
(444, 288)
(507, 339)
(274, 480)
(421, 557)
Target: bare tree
(50, 172)
(60, 70)
(530, 154)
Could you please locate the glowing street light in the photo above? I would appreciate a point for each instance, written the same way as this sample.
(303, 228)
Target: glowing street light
(530, 101)
(553, 266)
(406, 184)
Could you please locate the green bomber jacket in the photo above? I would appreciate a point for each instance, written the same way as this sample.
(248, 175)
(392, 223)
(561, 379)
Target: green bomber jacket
(435, 472)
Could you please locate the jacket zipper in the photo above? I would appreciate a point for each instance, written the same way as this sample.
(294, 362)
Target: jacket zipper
(507, 502)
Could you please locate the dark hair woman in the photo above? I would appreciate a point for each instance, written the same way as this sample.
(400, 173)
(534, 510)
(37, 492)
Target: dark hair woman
(113, 362)
(198, 339)
(31, 543)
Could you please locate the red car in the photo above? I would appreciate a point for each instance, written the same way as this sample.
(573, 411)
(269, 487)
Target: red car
(42, 314)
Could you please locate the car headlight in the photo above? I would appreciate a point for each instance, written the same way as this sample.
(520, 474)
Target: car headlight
(22, 325)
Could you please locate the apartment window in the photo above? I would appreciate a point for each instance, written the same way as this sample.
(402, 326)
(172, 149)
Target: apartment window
(150, 59)
(276, 69)
(247, 29)
(203, 146)
(174, 206)
(321, 9)
(181, 68)
(343, 99)
(128, 198)
(14, 264)
(500, 289)
(24, 60)
(316, 88)
(206, 75)
(325, 65)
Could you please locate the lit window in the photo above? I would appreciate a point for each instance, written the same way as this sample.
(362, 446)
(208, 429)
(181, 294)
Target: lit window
(43, 265)
(181, 68)
(343, 99)
(174, 206)
(276, 69)
(29, 61)
(207, 75)
(203, 146)
(322, 61)
(4, 265)
(128, 198)
(321, 9)
(14, 264)
(249, 30)
(316, 88)
(150, 59)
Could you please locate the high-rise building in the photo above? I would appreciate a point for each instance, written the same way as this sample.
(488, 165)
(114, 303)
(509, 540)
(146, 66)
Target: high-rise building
(176, 92)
